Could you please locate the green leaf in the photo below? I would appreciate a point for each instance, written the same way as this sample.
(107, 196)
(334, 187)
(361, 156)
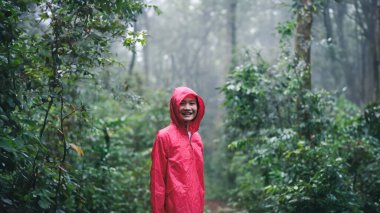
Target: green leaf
(8, 144)
(4, 117)
(44, 204)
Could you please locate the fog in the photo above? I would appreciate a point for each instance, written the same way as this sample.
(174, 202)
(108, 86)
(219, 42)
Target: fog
(192, 43)
(188, 44)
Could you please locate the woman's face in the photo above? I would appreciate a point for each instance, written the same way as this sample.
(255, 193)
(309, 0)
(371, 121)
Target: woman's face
(188, 109)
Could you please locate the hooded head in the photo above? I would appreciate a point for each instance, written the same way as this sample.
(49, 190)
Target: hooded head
(179, 94)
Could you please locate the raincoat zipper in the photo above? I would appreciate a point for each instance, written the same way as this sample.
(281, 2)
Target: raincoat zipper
(190, 141)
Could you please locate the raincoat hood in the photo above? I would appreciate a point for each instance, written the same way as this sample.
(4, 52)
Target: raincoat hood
(178, 95)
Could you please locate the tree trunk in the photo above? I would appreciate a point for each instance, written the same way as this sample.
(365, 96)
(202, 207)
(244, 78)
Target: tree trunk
(368, 24)
(303, 41)
(360, 64)
(133, 59)
(302, 65)
(377, 56)
(332, 59)
(146, 50)
(348, 69)
(327, 23)
(231, 22)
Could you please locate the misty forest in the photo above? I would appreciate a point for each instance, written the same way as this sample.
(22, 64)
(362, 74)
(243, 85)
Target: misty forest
(291, 88)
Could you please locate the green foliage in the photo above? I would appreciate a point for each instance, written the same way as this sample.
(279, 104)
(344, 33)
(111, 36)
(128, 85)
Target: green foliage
(286, 163)
(58, 152)
(286, 29)
(115, 168)
(372, 119)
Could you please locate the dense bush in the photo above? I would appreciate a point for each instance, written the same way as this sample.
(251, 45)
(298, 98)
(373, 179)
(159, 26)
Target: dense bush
(283, 162)
(106, 168)
(68, 141)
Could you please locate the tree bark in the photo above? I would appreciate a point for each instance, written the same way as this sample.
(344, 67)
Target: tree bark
(332, 58)
(377, 55)
(302, 64)
(133, 59)
(349, 70)
(327, 22)
(231, 22)
(368, 24)
(146, 52)
(360, 65)
(303, 41)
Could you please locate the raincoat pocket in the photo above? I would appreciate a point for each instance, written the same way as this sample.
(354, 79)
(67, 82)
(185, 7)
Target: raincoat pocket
(176, 200)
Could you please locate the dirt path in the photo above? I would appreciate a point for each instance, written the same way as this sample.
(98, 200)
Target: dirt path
(217, 206)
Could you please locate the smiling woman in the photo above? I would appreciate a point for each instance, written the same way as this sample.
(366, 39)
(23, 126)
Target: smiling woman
(176, 175)
(188, 108)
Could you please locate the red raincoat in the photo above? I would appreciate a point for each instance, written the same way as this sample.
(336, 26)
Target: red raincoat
(176, 176)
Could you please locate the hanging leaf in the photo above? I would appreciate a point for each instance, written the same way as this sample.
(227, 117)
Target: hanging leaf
(77, 149)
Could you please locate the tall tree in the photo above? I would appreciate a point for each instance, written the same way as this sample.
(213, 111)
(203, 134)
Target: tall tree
(366, 20)
(231, 22)
(304, 23)
(350, 74)
(377, 63)
(303, 39)
(146, 61)
(133, 59)
(327, 22)
(46, 46)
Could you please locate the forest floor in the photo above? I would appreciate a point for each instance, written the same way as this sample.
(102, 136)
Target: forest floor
(217, 206)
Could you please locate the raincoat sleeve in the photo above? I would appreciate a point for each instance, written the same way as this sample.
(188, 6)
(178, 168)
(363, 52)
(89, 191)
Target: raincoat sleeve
(158, 176)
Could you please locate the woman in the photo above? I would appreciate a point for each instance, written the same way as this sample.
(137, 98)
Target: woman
(176, 176)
